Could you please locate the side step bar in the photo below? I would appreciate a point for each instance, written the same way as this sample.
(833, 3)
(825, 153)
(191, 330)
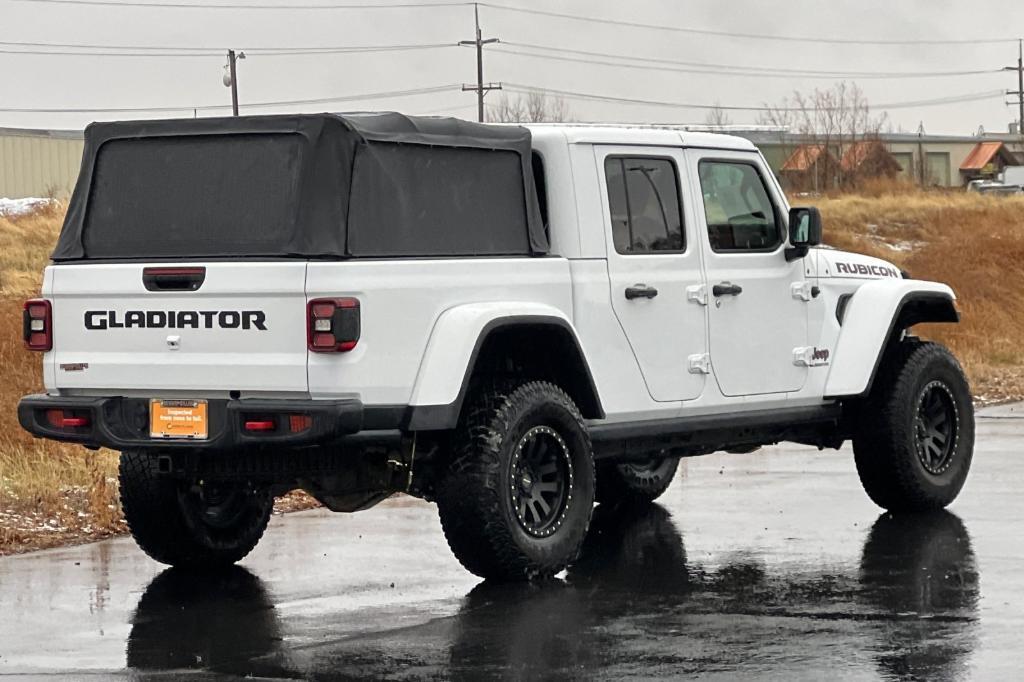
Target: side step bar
(699, 435)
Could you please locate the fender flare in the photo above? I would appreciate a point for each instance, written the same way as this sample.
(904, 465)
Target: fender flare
(877, 314)
(454, 347)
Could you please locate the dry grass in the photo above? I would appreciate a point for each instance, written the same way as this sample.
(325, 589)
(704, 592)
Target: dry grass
(51, 493)
(974, 243)
(25, 245)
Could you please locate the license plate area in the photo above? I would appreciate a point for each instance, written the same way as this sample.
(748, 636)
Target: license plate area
(179, 419)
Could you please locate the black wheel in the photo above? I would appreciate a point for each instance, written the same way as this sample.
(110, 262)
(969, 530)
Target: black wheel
(635, 481)
(516, 495)
(915, 436)
(190, 523)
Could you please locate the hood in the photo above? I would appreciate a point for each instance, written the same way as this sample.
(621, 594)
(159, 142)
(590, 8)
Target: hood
(846, 265)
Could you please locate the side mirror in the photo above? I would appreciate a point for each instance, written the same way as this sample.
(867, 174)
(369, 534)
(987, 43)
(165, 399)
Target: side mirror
(804, 226)
(804, 231)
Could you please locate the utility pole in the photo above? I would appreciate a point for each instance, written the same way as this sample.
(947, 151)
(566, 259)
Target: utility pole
(231, 78)
(1019, 92)
(479, 88)
(920, 153)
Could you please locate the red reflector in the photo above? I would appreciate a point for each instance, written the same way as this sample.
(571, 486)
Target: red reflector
(297, 423)
(259, 425)
(63, 420)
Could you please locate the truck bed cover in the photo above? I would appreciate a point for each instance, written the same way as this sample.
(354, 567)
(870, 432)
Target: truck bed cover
(306, 186)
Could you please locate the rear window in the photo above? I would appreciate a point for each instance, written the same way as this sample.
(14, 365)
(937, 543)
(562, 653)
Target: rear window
(419, 200)
(193, 196)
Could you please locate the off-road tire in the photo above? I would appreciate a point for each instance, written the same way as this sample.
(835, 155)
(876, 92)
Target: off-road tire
(635, 482)
(162, 517)
(886, 442)
(475, 493)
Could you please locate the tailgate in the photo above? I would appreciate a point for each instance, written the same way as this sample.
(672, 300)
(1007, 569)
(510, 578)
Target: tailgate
(243, 328)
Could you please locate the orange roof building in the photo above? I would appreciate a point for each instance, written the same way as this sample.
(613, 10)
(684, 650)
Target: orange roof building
(811, 167)
(986, 160)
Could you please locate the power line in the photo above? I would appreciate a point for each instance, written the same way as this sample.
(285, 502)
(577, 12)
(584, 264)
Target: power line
(526, 89)
(747, 36)
(214, 107)
(143, 51)
(209, 5)
(587, 57)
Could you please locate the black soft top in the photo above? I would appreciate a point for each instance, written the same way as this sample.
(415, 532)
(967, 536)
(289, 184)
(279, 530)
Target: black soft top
(310, 186)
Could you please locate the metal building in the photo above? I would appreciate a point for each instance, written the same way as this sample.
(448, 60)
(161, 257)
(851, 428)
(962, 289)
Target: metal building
(39, 163)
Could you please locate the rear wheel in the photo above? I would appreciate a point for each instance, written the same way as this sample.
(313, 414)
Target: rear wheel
(195, 524)
(635, 481)
(915, 439)
(516, 497)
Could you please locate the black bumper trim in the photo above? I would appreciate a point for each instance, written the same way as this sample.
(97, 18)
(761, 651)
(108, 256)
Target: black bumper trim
(121, 423)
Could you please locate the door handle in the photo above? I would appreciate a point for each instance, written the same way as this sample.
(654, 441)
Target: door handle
(640, 291)
(727, 289)
(173, 279)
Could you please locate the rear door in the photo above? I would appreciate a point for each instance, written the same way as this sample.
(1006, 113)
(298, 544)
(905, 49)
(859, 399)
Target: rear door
(758, 312)
(186, 329)
(654, 266)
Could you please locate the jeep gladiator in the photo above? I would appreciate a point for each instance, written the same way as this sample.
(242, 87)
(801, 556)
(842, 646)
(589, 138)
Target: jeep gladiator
(514, 322)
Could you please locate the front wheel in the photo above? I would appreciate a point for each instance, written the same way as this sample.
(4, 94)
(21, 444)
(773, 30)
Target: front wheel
(191, 524)
(915, 438)
(516, 497)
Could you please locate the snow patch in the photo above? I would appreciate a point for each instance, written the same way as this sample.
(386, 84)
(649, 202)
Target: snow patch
(15, 207)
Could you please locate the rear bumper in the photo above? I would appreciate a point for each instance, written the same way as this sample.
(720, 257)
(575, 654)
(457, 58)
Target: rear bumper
(122, 423)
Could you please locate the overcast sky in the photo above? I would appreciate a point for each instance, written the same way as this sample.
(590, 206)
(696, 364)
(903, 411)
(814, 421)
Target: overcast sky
(75, 81)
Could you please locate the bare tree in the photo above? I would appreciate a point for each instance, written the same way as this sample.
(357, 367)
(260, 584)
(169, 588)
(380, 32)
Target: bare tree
(534, 107)
(837, 120)
(717, 116)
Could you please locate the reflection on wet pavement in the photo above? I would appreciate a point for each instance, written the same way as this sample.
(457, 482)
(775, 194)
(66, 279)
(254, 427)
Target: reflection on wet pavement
(631, 603)
(750, 567)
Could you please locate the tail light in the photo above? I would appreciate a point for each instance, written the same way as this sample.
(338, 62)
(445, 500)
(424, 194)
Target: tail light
(37, 324)
(332, 324)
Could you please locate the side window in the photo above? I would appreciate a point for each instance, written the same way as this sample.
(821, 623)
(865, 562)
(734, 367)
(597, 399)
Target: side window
(739, 212)
(643, 196)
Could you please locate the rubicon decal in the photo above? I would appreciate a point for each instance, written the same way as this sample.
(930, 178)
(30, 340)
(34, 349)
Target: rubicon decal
(864, 269)
(176, 319)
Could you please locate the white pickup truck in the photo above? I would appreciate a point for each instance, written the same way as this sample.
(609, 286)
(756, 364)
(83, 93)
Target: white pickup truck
(511, 321)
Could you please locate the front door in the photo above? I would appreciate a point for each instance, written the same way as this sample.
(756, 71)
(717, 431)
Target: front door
(653, 263)
(757, 312)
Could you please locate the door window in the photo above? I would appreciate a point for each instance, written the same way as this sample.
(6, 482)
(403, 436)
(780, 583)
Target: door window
(740, 215)
(643, 197)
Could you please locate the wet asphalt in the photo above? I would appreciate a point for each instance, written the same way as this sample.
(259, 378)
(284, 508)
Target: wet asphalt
(771, 565)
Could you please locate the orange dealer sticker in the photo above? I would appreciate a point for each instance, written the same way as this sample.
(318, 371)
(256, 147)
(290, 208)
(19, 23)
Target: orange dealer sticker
(172, 419)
